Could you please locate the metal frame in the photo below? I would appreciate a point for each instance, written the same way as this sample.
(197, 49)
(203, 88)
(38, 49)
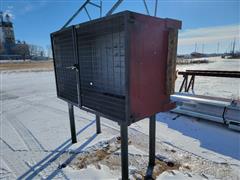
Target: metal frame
(85, 8)
(193, 73)
(155, 10)
(155, 7)
(146, 7)
(114, 7)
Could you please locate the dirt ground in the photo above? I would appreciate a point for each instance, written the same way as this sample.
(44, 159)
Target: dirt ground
(22, 65)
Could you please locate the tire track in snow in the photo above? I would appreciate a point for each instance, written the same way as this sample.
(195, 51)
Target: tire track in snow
(24, 133)
(23, 99)
(30, 141)
(36, 105)
(54, 109)
(32, 144)
(12, 160)
(5, 171)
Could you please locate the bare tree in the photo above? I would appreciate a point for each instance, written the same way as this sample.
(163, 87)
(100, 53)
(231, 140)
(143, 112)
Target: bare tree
(36, 51)
(21, 49)
(32, 49)
(49, 51)
(1, 48)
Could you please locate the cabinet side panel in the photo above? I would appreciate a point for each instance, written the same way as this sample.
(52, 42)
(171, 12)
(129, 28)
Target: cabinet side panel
(148, 66)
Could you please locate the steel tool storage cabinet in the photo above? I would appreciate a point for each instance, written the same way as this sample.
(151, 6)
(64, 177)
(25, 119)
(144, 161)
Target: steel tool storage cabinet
(121, 66)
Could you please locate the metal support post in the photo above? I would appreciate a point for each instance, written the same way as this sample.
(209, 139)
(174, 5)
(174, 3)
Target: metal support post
(75, 14)
(193, 82)
(89, 17)
(152, 147)
(72, 123)
(98, 124)
(183, 83)
(186, 83)
(146, 7)
(155, 10)
(100, 8)
(152, 139)
(124, 150)
(114, 7)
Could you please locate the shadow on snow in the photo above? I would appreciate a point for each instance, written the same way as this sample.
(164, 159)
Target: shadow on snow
(45, 162)
(212, 136)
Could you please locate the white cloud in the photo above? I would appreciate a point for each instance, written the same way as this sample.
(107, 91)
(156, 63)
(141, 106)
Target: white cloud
(28, 8)
(9, 12)
(10, 7)
(209, 34)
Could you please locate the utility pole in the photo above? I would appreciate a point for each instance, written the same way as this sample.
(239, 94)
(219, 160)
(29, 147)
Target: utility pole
(218, 48)
(234, 44)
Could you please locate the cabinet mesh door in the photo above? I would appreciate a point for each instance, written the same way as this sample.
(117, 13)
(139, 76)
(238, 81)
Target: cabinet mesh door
(101, 53)
(63, 48)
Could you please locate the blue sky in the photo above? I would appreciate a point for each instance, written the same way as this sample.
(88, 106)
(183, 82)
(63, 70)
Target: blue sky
(205, 22)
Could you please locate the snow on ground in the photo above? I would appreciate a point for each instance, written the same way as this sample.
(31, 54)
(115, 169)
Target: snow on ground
(35, 139)
(214, 86)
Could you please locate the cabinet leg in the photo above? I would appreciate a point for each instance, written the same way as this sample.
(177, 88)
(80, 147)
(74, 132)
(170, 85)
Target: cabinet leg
(98, 124)
(72, 123)
(124, 150)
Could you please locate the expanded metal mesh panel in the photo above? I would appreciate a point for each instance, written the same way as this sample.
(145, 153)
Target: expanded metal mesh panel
(101, 53)
(64, 58)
